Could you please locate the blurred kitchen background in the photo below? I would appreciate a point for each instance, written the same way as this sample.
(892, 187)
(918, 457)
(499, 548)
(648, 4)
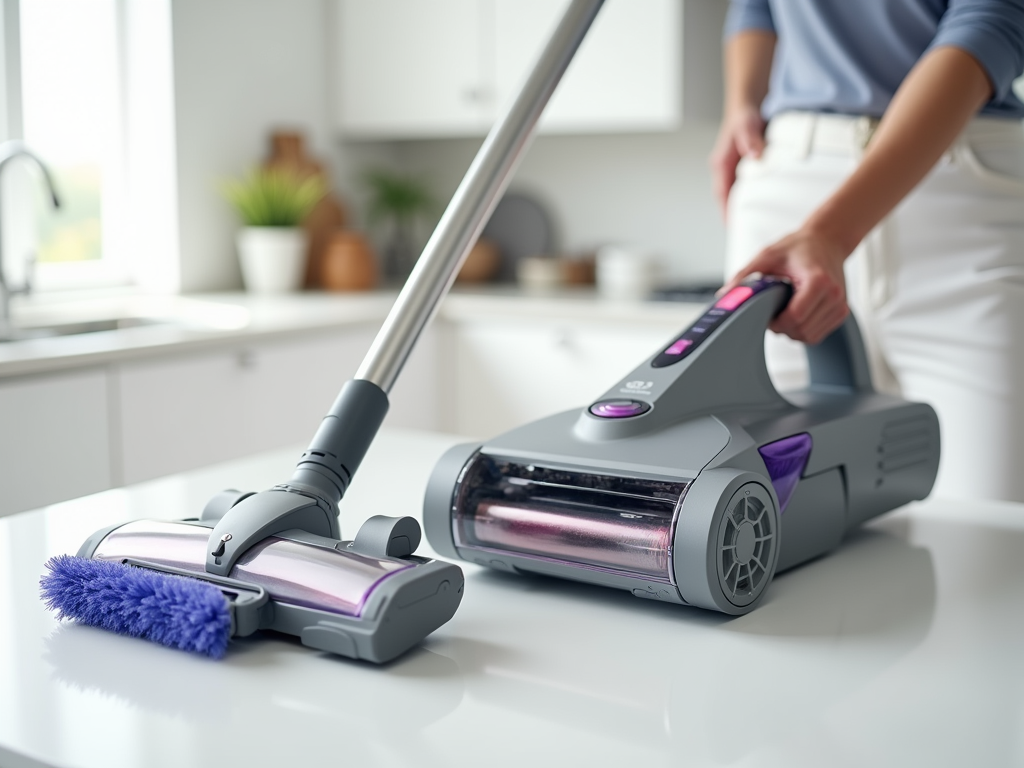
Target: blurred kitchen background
(145, 109)
(153, 102)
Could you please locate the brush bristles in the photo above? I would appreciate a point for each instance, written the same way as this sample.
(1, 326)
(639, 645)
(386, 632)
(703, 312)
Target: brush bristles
(175, 611)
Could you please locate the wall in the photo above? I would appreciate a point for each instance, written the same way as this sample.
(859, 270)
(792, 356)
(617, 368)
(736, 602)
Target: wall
(651, 190)
(241, 69)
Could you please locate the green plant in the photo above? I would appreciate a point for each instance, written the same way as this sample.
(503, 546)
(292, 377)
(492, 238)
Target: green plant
(399, 200)
(274, 198)
(397, 197)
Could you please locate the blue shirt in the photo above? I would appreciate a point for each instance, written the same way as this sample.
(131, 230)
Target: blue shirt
(850, 56)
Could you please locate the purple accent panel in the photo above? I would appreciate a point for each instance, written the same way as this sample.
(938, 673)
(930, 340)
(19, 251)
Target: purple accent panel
(619, 409)
(785, 460)
(290, 571)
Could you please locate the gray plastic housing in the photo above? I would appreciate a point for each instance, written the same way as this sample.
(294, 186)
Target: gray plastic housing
(707, 417)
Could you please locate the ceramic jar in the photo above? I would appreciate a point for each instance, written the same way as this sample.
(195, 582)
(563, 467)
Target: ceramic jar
(348, 263)
(273, 259)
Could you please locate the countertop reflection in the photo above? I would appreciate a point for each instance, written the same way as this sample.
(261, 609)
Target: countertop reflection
(901, 649)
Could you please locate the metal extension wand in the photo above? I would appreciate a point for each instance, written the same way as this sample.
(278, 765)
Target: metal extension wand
(309, 499)
(346, 432)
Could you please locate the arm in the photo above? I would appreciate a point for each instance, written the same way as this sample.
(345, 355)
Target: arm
(748, 62)
(934, 103)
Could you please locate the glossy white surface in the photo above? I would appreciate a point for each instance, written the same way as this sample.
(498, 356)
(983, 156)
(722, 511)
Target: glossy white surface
(901, 649)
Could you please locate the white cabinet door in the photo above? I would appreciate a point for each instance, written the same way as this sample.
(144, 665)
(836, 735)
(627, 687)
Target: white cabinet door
(508, 373)
(411, 67)
(626, 76)
(188, 411)
(178, 413)
(426, 68)
(54, 439)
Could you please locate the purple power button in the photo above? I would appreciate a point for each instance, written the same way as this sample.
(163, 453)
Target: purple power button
(619, 409)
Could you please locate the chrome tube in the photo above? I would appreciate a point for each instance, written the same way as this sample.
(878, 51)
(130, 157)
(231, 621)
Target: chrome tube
(473, 203)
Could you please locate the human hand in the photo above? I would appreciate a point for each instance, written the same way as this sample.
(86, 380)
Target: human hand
(813, 261)
(741, 135)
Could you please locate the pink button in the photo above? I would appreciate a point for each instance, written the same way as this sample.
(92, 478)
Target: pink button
(735, 297)
(679, 347)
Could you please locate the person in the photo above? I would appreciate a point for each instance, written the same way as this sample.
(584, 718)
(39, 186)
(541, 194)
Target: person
(873, 152)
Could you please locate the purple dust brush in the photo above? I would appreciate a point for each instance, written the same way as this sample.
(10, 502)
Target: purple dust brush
(175, 611)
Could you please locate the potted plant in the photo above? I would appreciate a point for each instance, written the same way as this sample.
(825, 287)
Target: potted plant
(398, 200)
(272, 246)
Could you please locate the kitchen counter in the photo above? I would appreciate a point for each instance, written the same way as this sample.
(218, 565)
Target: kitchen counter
(207, 321)
(902, 648)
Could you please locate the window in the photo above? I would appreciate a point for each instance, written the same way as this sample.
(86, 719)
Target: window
(88, 88)
(70, 115)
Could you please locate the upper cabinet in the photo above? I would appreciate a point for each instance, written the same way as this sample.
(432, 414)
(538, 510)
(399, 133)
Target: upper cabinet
(436, 68)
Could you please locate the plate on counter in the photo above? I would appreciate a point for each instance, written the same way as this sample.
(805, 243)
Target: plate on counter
(520, 226)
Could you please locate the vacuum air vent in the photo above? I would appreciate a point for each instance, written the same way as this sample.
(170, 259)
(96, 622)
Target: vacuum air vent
(747, 538)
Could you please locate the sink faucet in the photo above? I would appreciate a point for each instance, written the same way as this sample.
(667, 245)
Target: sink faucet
(8, 151)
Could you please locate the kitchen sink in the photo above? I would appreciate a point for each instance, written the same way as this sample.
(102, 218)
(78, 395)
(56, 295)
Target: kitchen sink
(73, 328)
(55, 319)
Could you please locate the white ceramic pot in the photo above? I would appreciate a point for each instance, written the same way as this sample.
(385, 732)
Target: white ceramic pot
(626, 273)
(273, 259)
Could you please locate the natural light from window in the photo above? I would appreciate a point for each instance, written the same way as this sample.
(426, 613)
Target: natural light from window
(72, 119)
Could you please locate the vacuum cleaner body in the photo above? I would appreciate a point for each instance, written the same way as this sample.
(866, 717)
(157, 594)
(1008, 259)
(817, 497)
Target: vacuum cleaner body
(692, 480)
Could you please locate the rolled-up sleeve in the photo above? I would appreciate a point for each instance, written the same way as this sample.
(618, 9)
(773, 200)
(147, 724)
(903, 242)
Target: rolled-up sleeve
(992, 31)
(748, 14)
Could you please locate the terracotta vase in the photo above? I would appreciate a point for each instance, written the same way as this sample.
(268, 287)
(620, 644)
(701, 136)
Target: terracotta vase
(348, 263)
(482, 264)
(288, 152)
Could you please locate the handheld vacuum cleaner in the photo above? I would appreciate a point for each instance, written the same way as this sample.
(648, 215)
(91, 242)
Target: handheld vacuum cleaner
(692, 480)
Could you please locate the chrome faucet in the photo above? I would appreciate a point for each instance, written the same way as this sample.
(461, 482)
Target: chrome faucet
(8, 151)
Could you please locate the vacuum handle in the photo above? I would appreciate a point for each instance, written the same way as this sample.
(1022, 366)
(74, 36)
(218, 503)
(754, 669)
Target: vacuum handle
(718, 363)
(841, 359)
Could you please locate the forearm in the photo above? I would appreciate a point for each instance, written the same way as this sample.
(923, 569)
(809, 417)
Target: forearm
(936, 100)
(748, 62)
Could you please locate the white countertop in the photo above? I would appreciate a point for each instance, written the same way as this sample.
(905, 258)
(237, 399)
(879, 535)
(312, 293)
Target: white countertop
(901, 649)
(213, 320)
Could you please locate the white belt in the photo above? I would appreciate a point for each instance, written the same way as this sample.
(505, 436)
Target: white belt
(806, 132)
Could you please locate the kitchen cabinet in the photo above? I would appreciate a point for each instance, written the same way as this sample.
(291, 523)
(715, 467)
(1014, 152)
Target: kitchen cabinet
(54, 440)
(507, 372)
(411, 67)
(183, 412)
(431, 68)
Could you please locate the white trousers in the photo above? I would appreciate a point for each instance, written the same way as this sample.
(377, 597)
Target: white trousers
(938, 286)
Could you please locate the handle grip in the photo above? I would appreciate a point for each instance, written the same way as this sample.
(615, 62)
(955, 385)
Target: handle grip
(718, 364)
(838, 361)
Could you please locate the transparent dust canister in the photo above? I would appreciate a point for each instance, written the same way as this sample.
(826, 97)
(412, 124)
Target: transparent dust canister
(621, 525)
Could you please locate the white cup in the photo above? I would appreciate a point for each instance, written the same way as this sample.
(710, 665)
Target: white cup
(626, 273)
